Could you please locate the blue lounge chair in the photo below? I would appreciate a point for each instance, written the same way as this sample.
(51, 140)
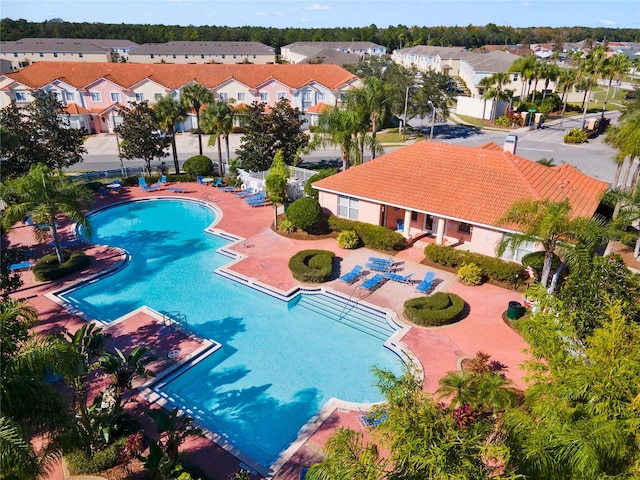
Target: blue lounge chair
(303, 473)
(257, 198)
(218, 182)
(373, 419)
(379, 267)
(162, 181)
(352, 276)
(374, 282)
(399, 225)
(142, 183)
(381, 260)
(427, 282)
(399, 278)
(20, 266)
(248, 192)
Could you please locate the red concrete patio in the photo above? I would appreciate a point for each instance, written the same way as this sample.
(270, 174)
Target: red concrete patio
(265, 259)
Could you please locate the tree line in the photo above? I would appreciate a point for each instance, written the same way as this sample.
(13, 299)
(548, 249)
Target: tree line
(392, 37)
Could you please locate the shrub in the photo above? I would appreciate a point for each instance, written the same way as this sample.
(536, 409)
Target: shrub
(373, 236)
(312, 266)
(80, 462)
(575, 135)
(48, 268)
(493, 268)
(325, 172)
(349, 239)
(503, 121)
(305, 213)
(535, 260)
(286, 226)
(470, 274)
(198, 165)
(435, 310)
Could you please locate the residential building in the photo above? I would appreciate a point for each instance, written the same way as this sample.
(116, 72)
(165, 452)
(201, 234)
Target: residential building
(300, 52)
(93, 93)
(183, 52)
(26, 51)
(454, 194)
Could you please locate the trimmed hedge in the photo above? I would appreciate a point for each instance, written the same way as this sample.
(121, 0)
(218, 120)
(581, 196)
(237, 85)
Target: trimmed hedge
(373, 236)
(494, 268)
(435, 310)
(349, 239)
(305, 213)
(48, 268)
(324, 173)
(198, 165)
(312, 266)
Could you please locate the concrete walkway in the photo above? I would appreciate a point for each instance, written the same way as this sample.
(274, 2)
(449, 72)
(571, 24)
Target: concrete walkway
(266, 256)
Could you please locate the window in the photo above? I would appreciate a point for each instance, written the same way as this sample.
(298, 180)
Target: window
(282, 95)
(521, 251)
(21, 96)
(515, 77)
(343, 96)
(242, 96)
(186, 55)
(70, 96)
(202, 55)
(15, 54)
(174, 56)
(96, 97)
(306, 96)
(139, 97)
(80, 54)
(157, 97)
(348, 207)
(151, 55)
(41, 54)
(234, 55)
(320, 96)
(264, 97)
(55, 54)
(115, 97)
(223, 56)
(464, 228)
(223, 97)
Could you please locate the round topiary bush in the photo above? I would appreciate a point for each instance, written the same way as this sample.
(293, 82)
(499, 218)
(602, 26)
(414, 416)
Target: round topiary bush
(435, 310)
(312, 266)
(470, 274)
(48, 268)
(198, 165)
(305, 213)
(349, 239)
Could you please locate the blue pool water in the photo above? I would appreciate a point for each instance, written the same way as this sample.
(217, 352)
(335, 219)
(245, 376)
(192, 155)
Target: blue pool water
(279, 361)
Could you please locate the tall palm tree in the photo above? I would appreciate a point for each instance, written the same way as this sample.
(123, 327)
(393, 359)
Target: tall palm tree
(173, 429)
(625, 137)
(124, 369)
(195, 96)
(566, 81)
(337, 126)
(44, 195)
(168, 111)
(592, 68)
(373, 98)
(525, 66)
(542, 221)
(615, 67)
(628, 204)
(218, 118)
(550, 73)
(495, 90)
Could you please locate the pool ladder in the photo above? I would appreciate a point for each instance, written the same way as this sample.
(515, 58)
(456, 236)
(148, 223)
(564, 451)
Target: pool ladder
(168, 318)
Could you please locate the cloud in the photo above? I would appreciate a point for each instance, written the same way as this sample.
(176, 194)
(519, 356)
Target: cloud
(607, 22)
(317, 6)
(261, 14)
(527, 4)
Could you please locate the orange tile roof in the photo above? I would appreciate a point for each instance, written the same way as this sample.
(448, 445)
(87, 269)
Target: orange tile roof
(473, 184)
(173, 76)
(317, 108)
(75, 109)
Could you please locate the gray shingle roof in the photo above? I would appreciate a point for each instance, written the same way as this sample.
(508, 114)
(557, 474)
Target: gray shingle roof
(200, 47)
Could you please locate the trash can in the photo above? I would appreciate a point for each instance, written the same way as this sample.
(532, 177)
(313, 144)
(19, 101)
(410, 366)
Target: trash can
(514, 311)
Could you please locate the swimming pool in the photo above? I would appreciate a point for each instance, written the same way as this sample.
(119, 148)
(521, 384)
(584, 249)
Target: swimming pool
(279, 361)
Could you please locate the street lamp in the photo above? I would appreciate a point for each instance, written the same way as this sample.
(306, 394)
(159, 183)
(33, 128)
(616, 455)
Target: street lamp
(433, 118)
(406, 101)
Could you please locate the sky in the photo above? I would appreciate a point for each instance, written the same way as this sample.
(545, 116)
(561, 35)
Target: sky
(333, 13)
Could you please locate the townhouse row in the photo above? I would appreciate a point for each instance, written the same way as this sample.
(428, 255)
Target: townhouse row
(93, 93)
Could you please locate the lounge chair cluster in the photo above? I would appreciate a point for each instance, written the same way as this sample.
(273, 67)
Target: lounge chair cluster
(383, 268)
(142, 183)
(380, 264)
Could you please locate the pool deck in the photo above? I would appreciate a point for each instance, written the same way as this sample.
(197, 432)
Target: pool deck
(265, 257)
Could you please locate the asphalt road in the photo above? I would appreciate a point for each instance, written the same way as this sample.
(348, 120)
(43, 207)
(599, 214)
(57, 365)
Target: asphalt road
(595, 158)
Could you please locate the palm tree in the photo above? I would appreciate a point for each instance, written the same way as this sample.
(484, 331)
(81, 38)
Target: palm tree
(550, 73)
(592, 68)
(44, 195)
(566, 81)
(195, 96)
(546, 222)
(123, 370)
(625, 137)
(217, 118)
(525, 66)
(615, 67)
(628, 213)
(372, 99)
(495, 84)
(337, 126)
(173, 429)
(168, 111)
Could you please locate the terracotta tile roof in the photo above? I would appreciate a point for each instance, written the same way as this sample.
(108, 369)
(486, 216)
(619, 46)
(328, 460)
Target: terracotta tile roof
(317, 108)
(173, 76)
(75, 109)
(473, 184)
